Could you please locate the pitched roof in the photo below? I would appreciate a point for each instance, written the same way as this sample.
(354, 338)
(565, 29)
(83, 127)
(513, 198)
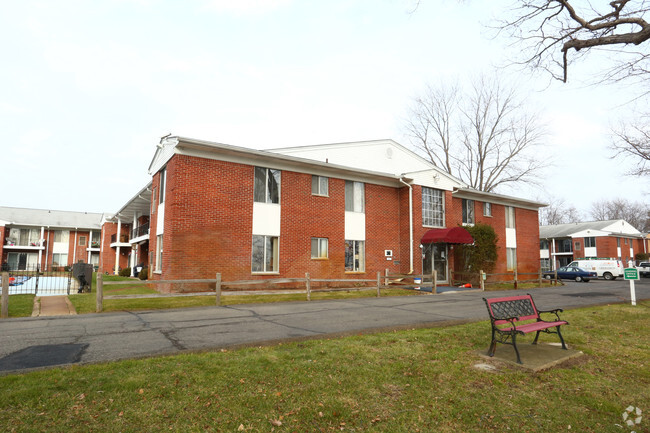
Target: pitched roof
(566, 230)
(50, 218)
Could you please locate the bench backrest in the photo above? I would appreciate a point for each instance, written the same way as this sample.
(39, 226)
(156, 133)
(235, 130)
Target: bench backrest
(521, 306)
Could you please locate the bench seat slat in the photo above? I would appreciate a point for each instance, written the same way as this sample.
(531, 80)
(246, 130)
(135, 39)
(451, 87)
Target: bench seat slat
(534, 327)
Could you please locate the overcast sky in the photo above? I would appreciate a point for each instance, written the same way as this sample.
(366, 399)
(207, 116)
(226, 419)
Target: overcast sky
(89, 87)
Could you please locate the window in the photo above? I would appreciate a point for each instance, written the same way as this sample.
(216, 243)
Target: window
(153, 200)
(319, 248)
(433, 212)
(82, 241)
(267, 185)
(265, 253)
(510, 217)
(590, 242)
(354, 196)
(511, 259)
(355, 257)
(159, 252)
(564, 246)
(162, 187)
(543, 244)
(61, 236)
(319, 185)
(545, 265)
(577, 246)
(468, 211)
(618, 242)
(24, 237)
(487, 209)
(59, 260)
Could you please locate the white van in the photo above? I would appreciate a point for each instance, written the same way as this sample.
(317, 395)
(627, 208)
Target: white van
(608, 269)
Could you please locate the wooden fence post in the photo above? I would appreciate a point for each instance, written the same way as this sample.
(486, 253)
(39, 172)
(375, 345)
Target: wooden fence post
(100, 293)
(5, 295)
(434, 288)
(481, 276)
(515, 278)
(308, 284)
(218, 290)
(555, 279)
(378, 283)
(386, 279)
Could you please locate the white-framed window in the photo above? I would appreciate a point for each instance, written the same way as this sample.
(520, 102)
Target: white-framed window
(355, 256)
(59, 259)
(468, 211)
(511, 259)
(265, 253)
(319, 185)
(545, 265)
(577, 246)
(154, 196)
(487, 209)
(319, 248)
(162, 186)
(543, 244)
(159, 252)
(433, 207)
(82, 241)
(354, 196)
(510, 217)
(267, 185)
(61, 236)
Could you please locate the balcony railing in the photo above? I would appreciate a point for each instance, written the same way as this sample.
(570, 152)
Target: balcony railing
(140, 231)
(123, 238)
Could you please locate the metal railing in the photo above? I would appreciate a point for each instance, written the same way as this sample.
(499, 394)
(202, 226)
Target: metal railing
(141, 230)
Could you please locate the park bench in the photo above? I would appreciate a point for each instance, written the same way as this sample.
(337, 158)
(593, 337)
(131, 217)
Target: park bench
(515, 315)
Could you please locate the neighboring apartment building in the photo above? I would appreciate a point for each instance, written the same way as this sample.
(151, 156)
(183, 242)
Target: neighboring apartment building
(561, 244)
(334, 211)
(48, 238)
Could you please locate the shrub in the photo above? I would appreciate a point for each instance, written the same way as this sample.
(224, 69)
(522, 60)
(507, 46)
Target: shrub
(482, 255)
(126, 272)
(642, 257)
(144, 273)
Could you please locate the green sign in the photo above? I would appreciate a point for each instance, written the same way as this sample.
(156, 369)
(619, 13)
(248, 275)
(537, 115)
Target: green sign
(631, 273)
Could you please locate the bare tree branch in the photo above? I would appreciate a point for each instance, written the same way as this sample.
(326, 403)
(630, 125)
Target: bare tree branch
(482, 136)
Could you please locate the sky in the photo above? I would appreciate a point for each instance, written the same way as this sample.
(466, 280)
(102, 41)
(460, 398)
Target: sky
(88, 88)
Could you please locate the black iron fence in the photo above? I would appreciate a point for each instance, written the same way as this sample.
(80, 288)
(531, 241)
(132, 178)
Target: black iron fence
(37, 280)
(140, 231)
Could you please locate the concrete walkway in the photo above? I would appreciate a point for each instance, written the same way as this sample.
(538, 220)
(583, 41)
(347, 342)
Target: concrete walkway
(45, 306)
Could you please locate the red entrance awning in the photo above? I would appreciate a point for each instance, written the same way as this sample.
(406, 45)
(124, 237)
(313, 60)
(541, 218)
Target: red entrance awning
(453, 235)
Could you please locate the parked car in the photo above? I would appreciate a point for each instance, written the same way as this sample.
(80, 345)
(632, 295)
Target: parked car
(572, 273)
(644, 269)
(608, 269)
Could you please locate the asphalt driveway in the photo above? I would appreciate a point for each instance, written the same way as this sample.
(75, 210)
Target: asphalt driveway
(27, 343)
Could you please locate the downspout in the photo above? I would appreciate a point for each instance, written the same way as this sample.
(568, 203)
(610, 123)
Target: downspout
(117, 248)
(74, 248)
(410, 224)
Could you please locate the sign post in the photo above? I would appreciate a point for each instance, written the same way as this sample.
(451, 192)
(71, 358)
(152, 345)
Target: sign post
(631, 274)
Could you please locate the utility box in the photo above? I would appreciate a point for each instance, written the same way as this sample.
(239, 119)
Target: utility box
(83, 272)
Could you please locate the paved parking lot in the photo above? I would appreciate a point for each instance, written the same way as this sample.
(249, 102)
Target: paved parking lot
(91, 338)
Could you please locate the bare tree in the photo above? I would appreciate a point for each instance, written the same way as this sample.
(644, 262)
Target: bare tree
(558, 212)
(556, 32)
(635, 213)
(633, 142)
(482, 136)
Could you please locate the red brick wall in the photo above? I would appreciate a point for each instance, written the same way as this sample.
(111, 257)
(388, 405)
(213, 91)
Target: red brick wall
(107, 255)
(209, 218)
(3, 255)
(527, 226)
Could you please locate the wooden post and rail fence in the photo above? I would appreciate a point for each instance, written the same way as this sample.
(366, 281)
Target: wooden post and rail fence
(386, 281)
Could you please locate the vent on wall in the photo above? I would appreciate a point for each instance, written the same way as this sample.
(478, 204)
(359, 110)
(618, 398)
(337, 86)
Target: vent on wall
(388, 253)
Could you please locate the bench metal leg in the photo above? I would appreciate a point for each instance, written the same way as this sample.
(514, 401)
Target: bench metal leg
(514, 344)
(561, 339)
(493, 345)
(536, 337)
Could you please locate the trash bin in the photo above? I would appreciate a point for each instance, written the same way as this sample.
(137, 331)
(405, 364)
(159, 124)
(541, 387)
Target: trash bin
(83, 272)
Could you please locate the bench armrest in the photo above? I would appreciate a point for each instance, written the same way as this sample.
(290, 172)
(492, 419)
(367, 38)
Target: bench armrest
(555, 311)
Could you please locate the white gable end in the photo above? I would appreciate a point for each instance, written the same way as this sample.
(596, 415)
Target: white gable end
(622, 227)
(384, 156)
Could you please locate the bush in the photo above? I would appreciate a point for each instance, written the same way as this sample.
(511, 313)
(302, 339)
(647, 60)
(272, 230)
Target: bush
(126, 272)
(642, 257)
(144, 273)
(482, 255)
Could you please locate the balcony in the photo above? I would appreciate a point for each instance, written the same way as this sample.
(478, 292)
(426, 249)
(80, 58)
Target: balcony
(140, 233)
(11, 244)
(122, 242)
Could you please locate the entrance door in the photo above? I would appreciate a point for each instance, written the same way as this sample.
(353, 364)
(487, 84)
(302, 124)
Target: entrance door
(434, 256)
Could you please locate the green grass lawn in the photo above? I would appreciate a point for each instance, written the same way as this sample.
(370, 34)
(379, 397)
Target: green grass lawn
(21, 305)
(420, 380)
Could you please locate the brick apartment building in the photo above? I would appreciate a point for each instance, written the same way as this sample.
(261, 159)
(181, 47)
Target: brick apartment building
(48, 238)
(561, 244)
(335, 211)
